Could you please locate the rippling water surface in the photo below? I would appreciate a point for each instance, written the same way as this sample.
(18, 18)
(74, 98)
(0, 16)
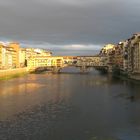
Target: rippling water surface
(69, 106)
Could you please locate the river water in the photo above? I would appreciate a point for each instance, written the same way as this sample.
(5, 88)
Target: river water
(69, 106)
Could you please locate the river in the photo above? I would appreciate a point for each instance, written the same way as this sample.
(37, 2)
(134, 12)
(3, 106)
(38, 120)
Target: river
(69, 106)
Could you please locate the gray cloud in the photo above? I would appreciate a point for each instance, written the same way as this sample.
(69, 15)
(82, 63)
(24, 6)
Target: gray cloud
(66, 22)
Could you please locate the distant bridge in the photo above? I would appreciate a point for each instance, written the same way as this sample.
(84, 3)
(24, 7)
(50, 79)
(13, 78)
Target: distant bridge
(57, 63)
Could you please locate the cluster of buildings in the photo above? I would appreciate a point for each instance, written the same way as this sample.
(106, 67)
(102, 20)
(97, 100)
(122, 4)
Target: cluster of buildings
(125, 56)
(13, 56)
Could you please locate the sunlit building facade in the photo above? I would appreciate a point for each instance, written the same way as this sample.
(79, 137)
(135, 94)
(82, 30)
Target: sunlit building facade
(16, 47)
(107, 55)
(134, 54)
(2, 55)
(45, 61)
(13, 56)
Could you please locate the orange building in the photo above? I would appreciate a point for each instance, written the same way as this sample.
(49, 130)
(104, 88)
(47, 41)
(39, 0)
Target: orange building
(16, 47)
(2, 56)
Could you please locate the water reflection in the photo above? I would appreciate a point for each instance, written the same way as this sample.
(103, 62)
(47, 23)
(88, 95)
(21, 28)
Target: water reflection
(131, 91)
(69, 107)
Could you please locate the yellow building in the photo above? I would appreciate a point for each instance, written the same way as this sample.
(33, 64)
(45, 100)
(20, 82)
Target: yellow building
(11, 58)
(36, 61)
(36, 57)
(44, 61)
(33, 52)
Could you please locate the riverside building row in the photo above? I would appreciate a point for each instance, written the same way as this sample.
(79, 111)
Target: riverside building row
(13, 56)
(124, 57)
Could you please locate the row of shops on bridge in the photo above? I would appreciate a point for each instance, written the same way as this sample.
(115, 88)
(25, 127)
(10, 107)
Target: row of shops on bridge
(62, 61)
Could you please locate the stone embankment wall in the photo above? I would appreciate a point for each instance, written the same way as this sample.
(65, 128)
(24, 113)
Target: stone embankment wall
(135, 77)
(12, 72)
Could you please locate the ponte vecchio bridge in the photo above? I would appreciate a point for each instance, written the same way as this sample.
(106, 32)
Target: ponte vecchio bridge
(57, 63)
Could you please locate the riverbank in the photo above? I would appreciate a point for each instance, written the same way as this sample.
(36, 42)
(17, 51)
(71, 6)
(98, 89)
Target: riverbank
(126, 77)
(12, 73)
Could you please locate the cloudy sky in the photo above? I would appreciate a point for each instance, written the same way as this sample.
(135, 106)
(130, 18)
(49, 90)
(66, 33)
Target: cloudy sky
(68, 24)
